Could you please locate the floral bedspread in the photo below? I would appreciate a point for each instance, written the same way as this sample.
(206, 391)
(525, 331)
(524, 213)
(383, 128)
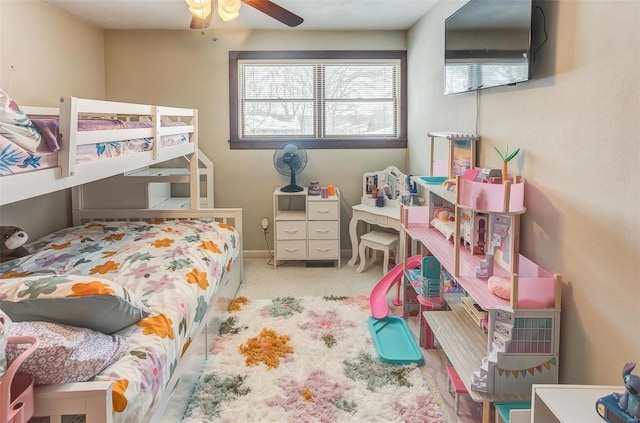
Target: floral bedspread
(174, 267)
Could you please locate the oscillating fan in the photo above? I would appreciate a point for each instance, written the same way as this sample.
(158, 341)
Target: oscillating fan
(289, 161)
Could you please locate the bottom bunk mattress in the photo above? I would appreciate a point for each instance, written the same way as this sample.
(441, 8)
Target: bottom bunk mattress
(161, 276)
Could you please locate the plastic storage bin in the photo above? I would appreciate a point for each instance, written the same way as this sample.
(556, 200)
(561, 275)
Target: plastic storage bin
(16, 391)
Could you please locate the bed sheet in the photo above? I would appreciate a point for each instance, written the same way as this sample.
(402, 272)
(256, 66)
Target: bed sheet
(174, 267)
(15, 159)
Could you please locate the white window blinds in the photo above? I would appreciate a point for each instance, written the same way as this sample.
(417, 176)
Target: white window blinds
(319, 99)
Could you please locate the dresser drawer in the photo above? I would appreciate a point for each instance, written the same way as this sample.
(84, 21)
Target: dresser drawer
(296, 249)
(323, 210)
(294, 229)
(376, 219)
(323, 229)
(324, 249)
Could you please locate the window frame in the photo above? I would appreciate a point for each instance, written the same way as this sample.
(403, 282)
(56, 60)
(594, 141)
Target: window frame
(236, 143)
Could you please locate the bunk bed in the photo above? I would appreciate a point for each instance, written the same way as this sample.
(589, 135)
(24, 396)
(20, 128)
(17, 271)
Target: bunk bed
(130, 124)
(176, 270)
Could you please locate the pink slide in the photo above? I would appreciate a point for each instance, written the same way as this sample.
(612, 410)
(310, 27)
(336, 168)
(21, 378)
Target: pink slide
(378, 296)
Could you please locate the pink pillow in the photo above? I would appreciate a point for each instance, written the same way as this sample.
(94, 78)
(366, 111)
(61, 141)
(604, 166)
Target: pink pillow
(532, 292)
(500, 286)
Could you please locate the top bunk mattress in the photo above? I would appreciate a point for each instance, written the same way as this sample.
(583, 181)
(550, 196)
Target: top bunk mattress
(16, 159)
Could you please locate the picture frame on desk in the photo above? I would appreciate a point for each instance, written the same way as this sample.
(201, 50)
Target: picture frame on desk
(462, 156)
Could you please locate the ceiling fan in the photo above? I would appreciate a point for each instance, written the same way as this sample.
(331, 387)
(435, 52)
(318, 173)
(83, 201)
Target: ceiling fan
(229, 10)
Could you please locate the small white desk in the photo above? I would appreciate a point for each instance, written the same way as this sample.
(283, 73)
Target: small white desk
(386, 217)
(568, 403)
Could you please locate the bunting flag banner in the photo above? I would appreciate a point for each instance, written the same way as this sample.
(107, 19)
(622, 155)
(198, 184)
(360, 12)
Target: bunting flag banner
(530, 370)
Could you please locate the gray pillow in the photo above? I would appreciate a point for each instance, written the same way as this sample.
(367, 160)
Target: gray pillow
(82, 301)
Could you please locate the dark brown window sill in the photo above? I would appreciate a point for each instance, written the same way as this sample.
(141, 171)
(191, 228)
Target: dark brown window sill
(270, 144)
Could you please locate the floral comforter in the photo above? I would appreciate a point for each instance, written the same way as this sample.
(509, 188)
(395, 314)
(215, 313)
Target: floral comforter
(173, 267)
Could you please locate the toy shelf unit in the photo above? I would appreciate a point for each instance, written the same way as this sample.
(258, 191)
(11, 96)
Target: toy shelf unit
(187, 185)
(461, 154)
(518, 343)
(307, 227)
(423, 291)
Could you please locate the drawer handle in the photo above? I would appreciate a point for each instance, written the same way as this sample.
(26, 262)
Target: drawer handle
(323, 231)
(291, 250)
(323, 250)
(291, 231)
(323, 211)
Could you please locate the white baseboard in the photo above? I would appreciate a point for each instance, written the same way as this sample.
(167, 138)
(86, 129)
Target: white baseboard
(255, 253)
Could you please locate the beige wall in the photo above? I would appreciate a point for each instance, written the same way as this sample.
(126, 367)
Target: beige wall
(184, 68)
(53, 54)
(577, 124)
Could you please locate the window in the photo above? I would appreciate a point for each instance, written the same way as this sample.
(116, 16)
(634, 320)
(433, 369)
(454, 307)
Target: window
(318, 99)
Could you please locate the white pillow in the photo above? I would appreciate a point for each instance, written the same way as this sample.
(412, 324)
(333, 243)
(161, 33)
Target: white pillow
(446, 228)
(16, 126)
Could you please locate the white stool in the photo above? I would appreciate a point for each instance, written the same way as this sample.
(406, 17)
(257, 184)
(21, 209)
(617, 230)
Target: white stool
(377, 241)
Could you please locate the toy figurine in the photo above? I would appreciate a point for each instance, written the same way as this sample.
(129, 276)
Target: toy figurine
(629, 401)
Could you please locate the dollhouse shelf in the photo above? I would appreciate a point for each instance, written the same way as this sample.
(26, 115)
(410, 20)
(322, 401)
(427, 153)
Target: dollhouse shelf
(465, 345)
(440, 247)
(521, 346)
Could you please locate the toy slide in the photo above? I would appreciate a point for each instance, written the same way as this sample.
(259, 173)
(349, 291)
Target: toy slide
(378, 296)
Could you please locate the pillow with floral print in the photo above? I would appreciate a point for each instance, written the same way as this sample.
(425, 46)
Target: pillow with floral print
(64, 353)
(82, 301)
(16, 126)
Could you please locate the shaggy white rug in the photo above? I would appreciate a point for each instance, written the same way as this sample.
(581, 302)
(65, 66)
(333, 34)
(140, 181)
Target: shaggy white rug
(307, 359)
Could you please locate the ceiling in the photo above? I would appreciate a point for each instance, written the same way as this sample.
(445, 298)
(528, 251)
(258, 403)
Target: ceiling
(317, 14)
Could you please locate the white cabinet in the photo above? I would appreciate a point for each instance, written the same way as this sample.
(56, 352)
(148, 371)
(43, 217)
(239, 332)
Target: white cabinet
(307, 227)
(568, 403)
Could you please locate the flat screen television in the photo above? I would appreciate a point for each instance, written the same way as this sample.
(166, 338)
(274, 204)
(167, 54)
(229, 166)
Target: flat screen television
(488, 43)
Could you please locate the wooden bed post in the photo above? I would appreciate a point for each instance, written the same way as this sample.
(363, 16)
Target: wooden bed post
(68, 119)
(194, 169)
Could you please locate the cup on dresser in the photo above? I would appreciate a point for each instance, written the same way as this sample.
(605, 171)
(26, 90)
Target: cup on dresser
(324, 192)
(332, 189)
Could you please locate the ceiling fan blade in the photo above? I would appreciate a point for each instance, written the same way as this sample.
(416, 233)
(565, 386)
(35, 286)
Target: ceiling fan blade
(197, 23)
(275, 11)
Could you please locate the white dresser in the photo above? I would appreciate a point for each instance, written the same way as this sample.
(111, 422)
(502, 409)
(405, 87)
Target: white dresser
(307, 227)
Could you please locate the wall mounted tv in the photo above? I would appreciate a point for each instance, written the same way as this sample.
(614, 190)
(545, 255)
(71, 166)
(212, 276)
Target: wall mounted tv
(488, 44)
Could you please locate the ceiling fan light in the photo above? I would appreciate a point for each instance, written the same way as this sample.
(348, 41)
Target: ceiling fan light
(229, 9)
(201, 12)
(197, 4)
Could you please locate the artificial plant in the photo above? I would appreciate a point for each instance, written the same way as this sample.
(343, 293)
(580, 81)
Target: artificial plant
(506, 158)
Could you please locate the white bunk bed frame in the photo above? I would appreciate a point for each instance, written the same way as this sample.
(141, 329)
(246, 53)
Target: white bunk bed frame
(69, 174)
(94, 399)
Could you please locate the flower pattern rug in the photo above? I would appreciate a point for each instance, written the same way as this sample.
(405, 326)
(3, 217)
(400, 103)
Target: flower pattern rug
(307, 359)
